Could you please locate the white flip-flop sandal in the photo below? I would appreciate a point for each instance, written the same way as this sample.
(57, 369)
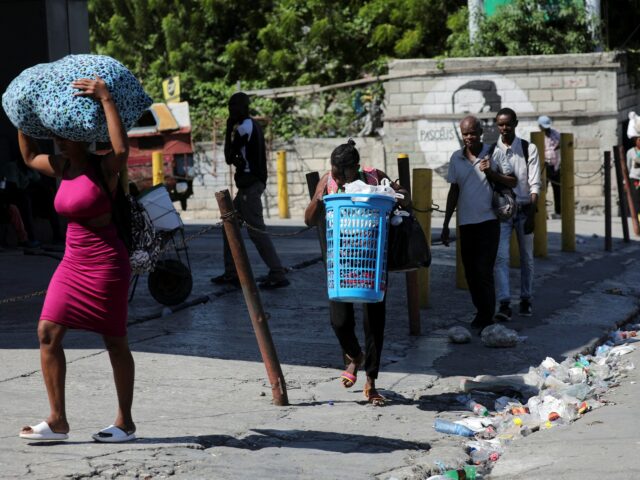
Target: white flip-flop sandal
(113, 434)
(43, 432)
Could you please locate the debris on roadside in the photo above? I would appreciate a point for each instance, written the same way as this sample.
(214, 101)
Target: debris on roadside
(459, 335)
(550, 395)
(499, 336)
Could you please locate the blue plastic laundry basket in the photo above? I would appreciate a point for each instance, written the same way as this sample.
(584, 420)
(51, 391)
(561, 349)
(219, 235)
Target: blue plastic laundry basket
(357, 246)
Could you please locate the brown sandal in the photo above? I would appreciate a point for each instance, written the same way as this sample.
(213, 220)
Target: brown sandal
(374, 398)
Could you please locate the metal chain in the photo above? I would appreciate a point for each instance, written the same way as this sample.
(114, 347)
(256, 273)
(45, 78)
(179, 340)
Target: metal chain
(20, 298)
(292, 234)
(434, 208)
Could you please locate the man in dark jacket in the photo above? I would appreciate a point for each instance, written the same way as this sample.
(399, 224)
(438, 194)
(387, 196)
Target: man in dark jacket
(244, 148)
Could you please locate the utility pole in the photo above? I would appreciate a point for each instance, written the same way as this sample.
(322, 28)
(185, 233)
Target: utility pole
(594, 14)
(476, 7)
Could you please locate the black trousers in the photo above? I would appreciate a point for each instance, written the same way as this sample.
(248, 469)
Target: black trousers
(554, 178)
(343, 323)
(479, 248)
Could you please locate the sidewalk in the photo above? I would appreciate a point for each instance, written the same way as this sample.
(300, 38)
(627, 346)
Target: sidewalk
(202, 400)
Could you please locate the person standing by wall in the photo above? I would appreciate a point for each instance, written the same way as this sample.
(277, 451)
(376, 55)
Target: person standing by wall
(523, 157)
(471, 169)
(552, 159)
(244, 148)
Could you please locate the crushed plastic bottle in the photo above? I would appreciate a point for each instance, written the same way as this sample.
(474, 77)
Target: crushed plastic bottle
(466, 473)
(473, 406)
(482, 455)
(603, 350)
(445, 426)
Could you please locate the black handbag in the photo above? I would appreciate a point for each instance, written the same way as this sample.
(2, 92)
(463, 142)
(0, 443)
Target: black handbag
(408, 248)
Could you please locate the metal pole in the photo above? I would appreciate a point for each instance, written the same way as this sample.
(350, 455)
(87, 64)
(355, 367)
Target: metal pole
(621, 200)
(252, 298)
(157, 168)
(283, 194)
(422, 198)
(607, 202)
(413, 302)
(567, 188)
(631, 205)
(540, 224)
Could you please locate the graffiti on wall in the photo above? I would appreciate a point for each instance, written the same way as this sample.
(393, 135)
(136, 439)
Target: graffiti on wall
(453, 98)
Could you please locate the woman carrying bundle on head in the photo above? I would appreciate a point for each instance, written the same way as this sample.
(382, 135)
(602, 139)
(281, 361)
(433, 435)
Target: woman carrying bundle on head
(345, 168)
(89, 289)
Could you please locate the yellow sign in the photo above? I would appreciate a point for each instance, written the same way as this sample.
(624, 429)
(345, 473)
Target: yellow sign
(171, 89)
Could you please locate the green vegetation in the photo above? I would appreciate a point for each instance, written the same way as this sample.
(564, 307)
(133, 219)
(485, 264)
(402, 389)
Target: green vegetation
(214, 45)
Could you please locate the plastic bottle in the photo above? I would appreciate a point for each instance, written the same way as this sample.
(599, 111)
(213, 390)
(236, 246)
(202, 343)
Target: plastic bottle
(483, 455)
(445, 426)
(474, 406)
(466, 473)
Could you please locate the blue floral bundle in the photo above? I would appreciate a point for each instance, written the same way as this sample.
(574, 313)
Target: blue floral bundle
(41, 101)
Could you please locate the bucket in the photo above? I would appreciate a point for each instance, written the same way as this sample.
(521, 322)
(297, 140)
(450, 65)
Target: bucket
(158, 205)
(357, 226)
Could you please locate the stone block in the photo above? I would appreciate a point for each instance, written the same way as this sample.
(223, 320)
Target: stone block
(540, 95)
(575, 81)
(392, 86)
(587, 94)
(574, 105)
(564, 94)
(411, 86)
(406, 110)
(400, 99)
(544, 107)
(551, 81)
(527, 83)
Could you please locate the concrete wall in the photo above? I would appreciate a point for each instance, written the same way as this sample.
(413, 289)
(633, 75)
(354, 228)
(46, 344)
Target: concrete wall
(303, 156)
(588, 95)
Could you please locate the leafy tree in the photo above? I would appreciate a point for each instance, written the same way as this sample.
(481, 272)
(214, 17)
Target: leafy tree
(526, 27)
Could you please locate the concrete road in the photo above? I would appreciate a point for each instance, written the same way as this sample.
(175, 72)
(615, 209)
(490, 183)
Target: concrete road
(202, 400)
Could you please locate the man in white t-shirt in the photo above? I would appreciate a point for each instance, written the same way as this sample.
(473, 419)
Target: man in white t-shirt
(524, 161)
(472, 170)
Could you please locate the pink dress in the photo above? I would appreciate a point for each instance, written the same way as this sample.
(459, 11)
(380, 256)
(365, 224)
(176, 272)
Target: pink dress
(89, 288)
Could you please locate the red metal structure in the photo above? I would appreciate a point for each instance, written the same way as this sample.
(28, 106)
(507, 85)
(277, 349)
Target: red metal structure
(165, 128)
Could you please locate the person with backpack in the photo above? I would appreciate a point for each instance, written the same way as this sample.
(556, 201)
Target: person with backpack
(345, 168)
(245, 149)
(525, 163)
(89, 289)
(474, 172)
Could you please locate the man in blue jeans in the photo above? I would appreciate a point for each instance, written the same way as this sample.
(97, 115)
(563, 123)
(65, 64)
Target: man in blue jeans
(523, 157)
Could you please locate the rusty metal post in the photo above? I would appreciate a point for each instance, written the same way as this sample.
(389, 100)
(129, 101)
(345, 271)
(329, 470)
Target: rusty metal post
(411, 278)
(252, 298)
(621, 200)
(607, 202)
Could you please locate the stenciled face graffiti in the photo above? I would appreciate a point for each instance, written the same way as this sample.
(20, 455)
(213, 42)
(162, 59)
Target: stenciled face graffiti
(453, 98)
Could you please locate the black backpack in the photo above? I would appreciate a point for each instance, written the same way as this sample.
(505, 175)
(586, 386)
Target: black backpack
(134, 227)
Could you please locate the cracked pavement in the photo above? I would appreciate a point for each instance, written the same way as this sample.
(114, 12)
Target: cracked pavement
(202, 400)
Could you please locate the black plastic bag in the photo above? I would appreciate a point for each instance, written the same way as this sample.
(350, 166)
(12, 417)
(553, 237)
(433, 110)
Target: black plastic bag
(408, 248)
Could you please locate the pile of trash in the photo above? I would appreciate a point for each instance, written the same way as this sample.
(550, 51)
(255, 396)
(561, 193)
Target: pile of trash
(547, 396)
